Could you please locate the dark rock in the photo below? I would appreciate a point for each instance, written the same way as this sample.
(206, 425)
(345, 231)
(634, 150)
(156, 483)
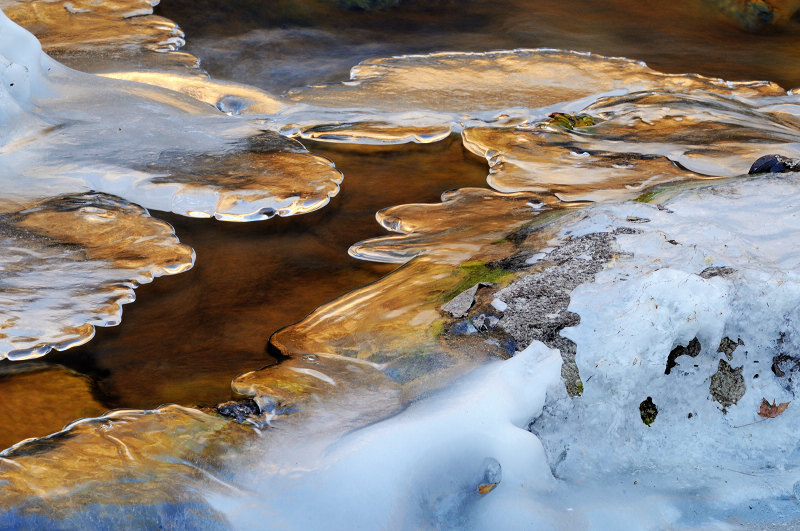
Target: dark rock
(692, 349)
(727, 384)
(774, 164)
(716, 271)
(727, 346)
(239, 410)
(648, 411)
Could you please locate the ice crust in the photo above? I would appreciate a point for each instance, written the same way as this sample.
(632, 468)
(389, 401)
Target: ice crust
(385, 99)
(710, 262)
(73, 132)
(66, 135)
(69, 264)
(96, 36)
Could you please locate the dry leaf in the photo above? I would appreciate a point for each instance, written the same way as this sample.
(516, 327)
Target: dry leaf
(771, 411)
(486, 489)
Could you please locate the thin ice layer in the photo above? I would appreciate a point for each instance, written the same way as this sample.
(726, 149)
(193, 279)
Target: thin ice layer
(69, 263)
(397, 322)
(158, 148)
(450, 231)
(101, 36)
(447, 91)
(128, 468)
(632, 142)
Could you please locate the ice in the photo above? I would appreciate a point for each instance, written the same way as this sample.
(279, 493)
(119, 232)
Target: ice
(101, 36)
(636, 141)
(702, 261)
(386, 98)
(227, 96)
(69, 263)
(154, 460)
(450, 231)
(422, 468)
(152, 146)
(715, 262)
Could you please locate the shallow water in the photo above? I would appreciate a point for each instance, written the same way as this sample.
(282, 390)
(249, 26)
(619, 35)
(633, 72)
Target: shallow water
(188, 336)
(289, 44)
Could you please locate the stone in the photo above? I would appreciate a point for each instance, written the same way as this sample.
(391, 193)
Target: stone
(648, 411)
(727, 384)
(774, 164)
(727, 346)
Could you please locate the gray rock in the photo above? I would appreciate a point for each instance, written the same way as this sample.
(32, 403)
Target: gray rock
(727, 384)
(727, 346)
(459, 305)
(537, 302)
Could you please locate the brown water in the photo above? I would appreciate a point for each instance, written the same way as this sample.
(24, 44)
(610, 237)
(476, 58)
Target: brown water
(187, 336)
(279, 45)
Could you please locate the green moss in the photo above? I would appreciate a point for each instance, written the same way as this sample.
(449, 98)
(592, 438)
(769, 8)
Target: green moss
(571, 121)
(437, 328)
(474, 272)
(648, 411)
(647, 197)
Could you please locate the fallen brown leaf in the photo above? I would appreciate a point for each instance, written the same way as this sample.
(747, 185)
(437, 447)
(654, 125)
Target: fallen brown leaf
(771, 411)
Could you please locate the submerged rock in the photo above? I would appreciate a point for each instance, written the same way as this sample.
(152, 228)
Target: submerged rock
(239, 410)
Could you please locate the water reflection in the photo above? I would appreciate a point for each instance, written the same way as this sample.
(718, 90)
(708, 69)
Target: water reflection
(286, 44)
(187, 336)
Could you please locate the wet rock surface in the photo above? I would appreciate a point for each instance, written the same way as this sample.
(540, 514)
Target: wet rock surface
(774, 164)
(239, 410)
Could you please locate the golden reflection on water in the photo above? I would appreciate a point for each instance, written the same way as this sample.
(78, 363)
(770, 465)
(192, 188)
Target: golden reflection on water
(311, 42)
(38, 399)
(188, 336)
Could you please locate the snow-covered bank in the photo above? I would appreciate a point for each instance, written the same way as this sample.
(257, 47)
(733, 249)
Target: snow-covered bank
(710, 263)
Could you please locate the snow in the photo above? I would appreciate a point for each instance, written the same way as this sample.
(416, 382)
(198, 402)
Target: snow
(593, 463)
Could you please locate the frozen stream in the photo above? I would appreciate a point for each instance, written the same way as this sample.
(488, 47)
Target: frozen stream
(600, 333)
